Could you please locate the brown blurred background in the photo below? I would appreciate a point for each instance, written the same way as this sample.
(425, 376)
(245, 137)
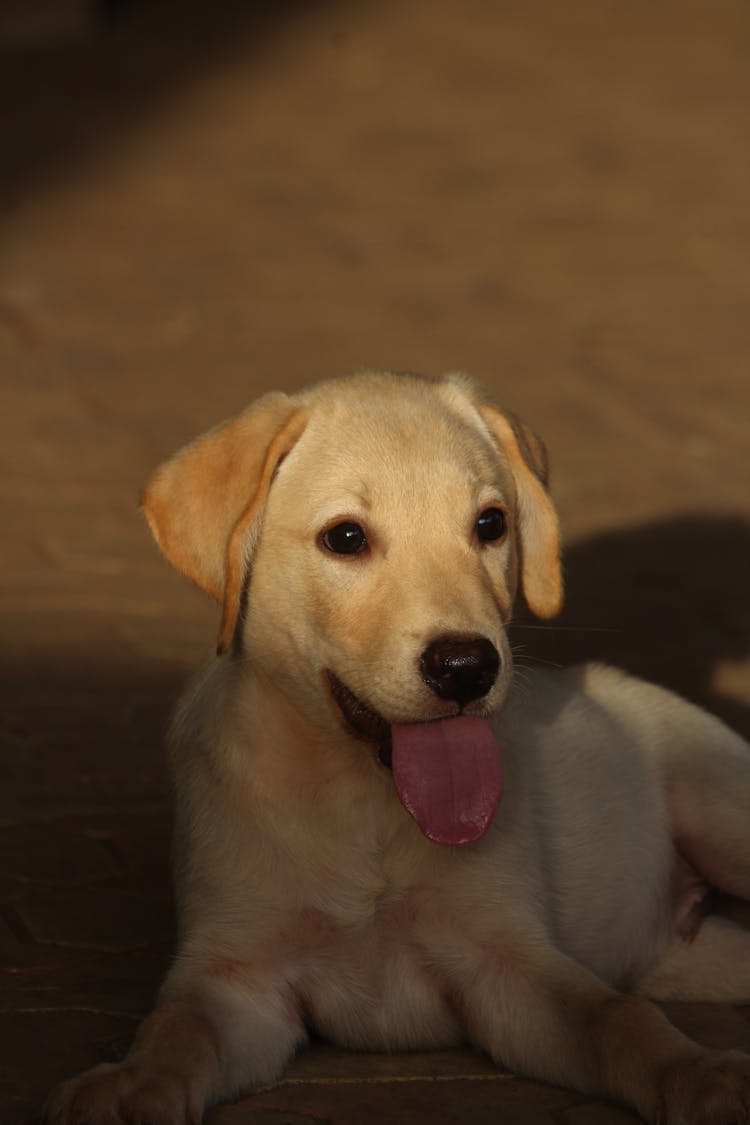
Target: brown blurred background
(199, 202)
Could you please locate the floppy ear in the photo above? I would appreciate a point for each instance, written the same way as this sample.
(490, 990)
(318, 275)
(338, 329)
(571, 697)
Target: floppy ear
(204, 505)
(538, 528)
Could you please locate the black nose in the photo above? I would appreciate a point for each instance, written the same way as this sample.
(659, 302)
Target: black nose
(460, 668)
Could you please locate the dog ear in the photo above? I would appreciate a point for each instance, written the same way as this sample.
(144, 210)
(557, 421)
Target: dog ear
(538, 527)
(204, 505)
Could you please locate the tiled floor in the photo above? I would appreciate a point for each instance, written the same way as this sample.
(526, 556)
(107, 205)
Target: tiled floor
(551, 196)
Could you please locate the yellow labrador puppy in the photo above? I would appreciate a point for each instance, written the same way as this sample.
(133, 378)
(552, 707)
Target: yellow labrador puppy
(384, 837)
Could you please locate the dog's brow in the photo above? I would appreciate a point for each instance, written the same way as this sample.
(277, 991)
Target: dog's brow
(358, 496)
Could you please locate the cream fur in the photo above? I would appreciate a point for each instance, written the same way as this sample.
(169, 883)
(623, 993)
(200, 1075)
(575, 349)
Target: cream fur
(307, 895)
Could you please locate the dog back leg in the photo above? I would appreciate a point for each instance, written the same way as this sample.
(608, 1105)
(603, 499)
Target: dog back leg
(703, 768)
(708, 793)
(712, 966)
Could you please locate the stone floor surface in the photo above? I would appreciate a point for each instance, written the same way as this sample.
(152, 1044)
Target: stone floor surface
(194, 210)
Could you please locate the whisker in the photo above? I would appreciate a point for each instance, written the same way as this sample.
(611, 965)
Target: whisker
(522, 658)
(571, 628)
(521, 684)
(531, 660)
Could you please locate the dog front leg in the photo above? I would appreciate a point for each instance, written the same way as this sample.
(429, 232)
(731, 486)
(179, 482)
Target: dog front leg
(202, 1044)
(555, 1021)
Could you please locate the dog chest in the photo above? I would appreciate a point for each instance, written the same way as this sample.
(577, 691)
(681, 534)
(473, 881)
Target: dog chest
(372, 988)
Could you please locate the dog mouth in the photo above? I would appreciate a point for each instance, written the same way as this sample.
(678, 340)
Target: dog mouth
(447, 772)
(362, 719)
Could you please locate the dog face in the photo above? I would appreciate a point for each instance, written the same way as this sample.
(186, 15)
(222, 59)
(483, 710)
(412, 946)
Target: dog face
(366, 539)
(388, 533)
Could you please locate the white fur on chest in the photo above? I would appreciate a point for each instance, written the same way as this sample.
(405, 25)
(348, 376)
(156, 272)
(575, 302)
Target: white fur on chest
(372, 987)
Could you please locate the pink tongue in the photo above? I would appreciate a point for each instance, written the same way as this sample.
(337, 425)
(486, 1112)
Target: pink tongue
(449, 776)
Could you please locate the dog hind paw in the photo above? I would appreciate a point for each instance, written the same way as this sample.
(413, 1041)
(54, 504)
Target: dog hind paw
(713, 1089)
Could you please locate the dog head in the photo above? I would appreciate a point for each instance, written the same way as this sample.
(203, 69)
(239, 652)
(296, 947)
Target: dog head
(366, 539)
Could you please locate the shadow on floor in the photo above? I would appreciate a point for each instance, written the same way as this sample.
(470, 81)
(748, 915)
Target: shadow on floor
(668, 601)
(60, 102)
(86, 917)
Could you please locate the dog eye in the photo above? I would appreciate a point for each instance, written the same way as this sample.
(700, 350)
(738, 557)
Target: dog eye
(490, 525)
(345, 539)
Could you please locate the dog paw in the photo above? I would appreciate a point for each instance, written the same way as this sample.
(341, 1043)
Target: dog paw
(713, 1089)
(118, 1094)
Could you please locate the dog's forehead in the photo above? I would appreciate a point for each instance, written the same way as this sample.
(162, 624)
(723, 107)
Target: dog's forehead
(407, 429)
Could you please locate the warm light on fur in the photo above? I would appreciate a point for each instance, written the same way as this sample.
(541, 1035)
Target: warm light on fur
(308, 897)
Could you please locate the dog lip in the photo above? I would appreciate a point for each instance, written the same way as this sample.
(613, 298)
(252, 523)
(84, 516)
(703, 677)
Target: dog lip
(370, 726)
(361, 719)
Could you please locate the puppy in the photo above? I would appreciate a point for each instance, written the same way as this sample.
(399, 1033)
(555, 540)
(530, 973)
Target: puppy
(381, 833)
